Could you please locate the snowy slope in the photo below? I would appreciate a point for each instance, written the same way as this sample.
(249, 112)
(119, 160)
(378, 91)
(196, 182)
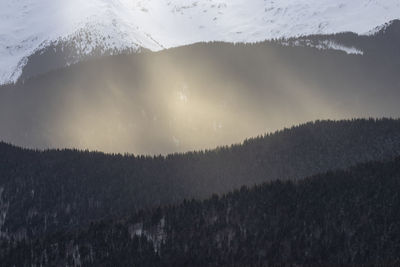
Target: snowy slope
(27, 26)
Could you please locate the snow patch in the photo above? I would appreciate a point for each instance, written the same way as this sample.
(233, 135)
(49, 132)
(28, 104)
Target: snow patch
(155, 235)
(335, 46)
(323, 45)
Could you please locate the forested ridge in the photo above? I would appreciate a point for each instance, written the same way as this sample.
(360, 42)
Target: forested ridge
(42, 192)
(341, 217)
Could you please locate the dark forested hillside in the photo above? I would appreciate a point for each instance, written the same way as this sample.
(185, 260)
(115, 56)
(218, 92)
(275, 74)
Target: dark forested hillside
(47, 191)
(340, 217)
(202, 95)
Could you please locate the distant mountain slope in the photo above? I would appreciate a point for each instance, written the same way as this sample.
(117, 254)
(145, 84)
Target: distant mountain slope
(64, 53)
(44, 192)
(338, 218)
(111, 26)
(383, 44)
(201, 96)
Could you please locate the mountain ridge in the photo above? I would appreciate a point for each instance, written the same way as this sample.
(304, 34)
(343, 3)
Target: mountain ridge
(121, 25)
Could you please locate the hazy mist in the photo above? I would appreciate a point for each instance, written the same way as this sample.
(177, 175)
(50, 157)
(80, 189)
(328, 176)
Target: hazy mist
(192, 98)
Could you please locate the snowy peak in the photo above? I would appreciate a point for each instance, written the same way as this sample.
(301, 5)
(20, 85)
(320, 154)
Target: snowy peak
(89, 24)
(27, 26)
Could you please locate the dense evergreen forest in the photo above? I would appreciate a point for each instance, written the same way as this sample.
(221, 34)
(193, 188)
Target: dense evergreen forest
(340, 217)
(43, 192)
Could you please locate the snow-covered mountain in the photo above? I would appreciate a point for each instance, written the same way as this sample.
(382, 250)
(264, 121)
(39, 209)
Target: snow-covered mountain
(110, 26)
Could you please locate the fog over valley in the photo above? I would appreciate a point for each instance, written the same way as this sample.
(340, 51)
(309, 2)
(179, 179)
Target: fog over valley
(194, 97)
